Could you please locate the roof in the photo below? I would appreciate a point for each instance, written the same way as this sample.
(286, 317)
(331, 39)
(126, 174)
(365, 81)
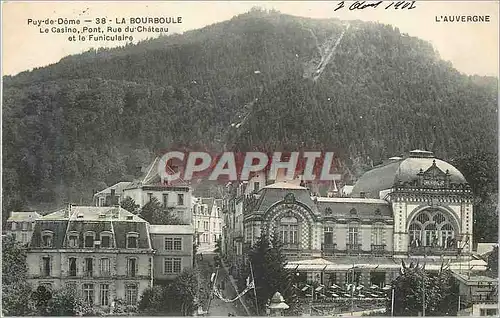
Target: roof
(152, 178)
(284, 185)
(118, 187)
(268, 196)
(81, 219)
(23, 216)
(384, 177)
(171, 229)
(360, 207)
(209, 202)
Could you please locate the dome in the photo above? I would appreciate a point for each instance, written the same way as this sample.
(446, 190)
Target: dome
(385, 176)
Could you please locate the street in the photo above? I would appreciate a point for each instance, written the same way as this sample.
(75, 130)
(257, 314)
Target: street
(217, 307)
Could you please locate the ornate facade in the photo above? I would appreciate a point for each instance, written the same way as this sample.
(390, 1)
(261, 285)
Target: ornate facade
(406, 209)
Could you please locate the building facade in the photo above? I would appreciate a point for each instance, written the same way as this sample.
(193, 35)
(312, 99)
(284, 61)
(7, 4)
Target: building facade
(112, 195)
(207, 222)
(20, 225)
(418, 207)
(173, 246)
(103, 252)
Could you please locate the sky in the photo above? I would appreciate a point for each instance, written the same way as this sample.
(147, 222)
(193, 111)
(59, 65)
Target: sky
(471, 47)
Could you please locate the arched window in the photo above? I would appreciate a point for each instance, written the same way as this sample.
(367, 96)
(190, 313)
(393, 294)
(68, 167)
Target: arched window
(72, 239)
(106, 238)
(89, 239)
(289, 231)
(132, 239)
(433, 228)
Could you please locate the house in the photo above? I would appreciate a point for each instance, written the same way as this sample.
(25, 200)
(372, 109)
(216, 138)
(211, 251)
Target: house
(478, 294)
(111, 195)
(103, 252)
(173, 246)
(207, 220)
(20, 225)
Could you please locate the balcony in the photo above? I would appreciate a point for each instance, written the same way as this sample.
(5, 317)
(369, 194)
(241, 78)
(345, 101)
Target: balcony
(433, 250)
(328, 249)
(378, 249)
(353, 248)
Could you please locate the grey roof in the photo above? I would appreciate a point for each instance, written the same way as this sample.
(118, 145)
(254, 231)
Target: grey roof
(356, 207)
(171, 229)
(385, 176)
(89, 218)
(208, 201)
(268, 196)
(23, 216)
(118, 187)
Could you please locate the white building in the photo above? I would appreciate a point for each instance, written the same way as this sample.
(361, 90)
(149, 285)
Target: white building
(20, 225)
(207, 221)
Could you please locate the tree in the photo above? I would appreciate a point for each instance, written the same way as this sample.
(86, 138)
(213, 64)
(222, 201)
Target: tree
(129, 204)
(493, 262)
(176, 298)
(65, 302)
(16, 292)
(268, 264)
(155, 213)
(415, 285)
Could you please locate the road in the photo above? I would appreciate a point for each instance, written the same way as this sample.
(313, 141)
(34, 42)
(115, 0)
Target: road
(217, 307)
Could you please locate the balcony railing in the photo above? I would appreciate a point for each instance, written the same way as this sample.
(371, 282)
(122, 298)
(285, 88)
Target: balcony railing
(430, 250)
(378, 249)
(291, 246)
(328, 249)
(353, 248)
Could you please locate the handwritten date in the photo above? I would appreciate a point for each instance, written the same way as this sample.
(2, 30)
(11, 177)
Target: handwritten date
(360, 5)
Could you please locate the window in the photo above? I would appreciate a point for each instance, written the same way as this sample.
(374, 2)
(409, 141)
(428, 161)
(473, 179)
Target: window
(104, 266)
(72, 266)
(131, 294)
(377, 235)
(106, 240)
(165, 200)
(180, 199)
(488, 312)
(88, 293)
(132, 240)
(214, 228)
(198, 227)
(205, 226)
(328, 235)
(24, 237)
(47, 238)
(177, 244)
(256, 186)
(46, 266)
(172, 266)
(89, 267)
(150, 197)
(14, 226)
(289, 230)
(169, 244)
(353, 239)
(24, 226)
(73, 240)
(104, 294)
(132, 267)
(89, 239)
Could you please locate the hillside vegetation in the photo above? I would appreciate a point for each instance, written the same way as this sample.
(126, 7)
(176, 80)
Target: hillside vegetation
(93, 119)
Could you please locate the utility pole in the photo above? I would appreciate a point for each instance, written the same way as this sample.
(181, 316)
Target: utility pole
(423, 300)
(254, 289)
(213, 290)
(392, 302)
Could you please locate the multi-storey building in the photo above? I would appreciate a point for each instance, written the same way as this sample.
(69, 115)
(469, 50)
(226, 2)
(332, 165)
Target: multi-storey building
(103, 252)
(20, 225)
(478, 295)
(208, 222)
(411, 208)
(176, 197)
(112, 195)
(173, 245)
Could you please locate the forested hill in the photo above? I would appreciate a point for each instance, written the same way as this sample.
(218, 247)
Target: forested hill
(92, 119)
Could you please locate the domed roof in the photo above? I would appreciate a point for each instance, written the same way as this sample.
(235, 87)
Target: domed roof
(385, 176)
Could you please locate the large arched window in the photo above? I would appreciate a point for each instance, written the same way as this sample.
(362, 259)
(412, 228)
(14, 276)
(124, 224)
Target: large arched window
(432, 228)
(289, 231)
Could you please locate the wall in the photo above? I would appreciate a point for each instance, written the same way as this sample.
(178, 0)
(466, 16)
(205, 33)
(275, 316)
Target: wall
(186, 254)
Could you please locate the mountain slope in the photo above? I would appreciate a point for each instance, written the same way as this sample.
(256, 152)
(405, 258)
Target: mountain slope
(93, 118)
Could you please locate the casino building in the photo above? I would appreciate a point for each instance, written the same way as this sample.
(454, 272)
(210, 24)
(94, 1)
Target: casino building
(412, 208)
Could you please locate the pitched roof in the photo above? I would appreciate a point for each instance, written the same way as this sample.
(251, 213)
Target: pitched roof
(171, 229)
(268, 196)
(209, 202)
(118, 187)
(152, 178)
(23, 216)
(284, 185)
